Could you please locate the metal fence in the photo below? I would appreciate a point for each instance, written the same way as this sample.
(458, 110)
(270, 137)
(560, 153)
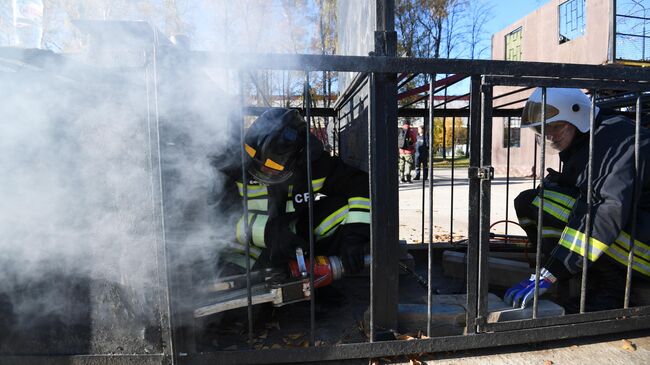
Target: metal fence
(484, 75)
(382, 114)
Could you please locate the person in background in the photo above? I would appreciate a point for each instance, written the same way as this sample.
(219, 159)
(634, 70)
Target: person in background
(406, 138)
(421, 154)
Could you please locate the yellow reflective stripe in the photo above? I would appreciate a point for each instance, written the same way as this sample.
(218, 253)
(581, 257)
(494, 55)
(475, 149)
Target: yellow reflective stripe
(559, 198)
(258, 204)
(526, 222)
(621, 256)
(290, 190)
(640, 248)
(358, 217)
(258, 230)
(290, 208)
(359, 203)
(331, 221)
(317, 184)
(554, 209)
(551, 232)
(240, 234)
(575, 241)
(252, 190)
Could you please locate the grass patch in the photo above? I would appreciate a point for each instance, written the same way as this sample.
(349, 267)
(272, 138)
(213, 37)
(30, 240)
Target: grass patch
(458, 162)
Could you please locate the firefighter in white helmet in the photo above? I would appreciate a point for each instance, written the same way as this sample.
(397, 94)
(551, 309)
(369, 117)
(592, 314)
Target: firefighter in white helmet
(564, 223)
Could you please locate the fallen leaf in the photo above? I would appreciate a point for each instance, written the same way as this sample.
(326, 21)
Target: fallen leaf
(415, 361)
(628, 345)
(258, 346)
(263, 335)
(548, 362)
(276, 346)
(373, 362)
(304, 343)
(405, 337)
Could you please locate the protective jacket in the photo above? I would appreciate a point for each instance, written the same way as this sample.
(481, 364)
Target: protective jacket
(612, 200)
(341, 210)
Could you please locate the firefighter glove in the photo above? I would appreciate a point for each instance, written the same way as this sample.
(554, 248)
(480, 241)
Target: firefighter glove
(280, 240)
(352, 258)
(522, 293)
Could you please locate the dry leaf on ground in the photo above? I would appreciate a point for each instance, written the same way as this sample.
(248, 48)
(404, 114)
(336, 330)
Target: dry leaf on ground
(628, 345)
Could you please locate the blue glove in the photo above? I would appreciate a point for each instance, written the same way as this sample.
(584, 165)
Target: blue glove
(522, 294)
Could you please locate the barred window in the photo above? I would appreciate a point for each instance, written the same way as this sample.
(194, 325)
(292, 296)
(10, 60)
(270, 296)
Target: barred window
(572, 20)
(513, 45)
(512, 139)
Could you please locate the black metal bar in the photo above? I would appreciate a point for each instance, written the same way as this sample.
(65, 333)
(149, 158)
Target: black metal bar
(567, 83)
(150, 359)
(540, 209)
(459, 112)
(450, 100)
(310, 189)
(384, 215)
(635, 201)
(535, 169)
(507, 203)
(485, 192)
(473, 201)
(590, 191)
(621, 314)
(453, 168)
(510, 103)
(315, 111)
(432, 345)
(391, 64)
(425, 124)
(167, 336)
(508, 93)
(432, 94)
(407, 80)
(244, 178)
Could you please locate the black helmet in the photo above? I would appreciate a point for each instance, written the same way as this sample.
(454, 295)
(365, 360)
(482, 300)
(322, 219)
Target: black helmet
(275, 144)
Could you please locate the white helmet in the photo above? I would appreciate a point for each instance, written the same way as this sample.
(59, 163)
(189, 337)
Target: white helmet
(567, 105)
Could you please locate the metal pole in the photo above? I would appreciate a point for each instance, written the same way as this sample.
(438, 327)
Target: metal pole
(590, 191)
(508, 173)
(540, 210)
(612, 32)
(430, 243)
(244, 177)
(485, 192)
(312, 311)
(424, 126)
(473, 200)
(635, 200)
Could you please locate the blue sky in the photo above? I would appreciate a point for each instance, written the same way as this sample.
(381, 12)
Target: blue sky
(507, 12)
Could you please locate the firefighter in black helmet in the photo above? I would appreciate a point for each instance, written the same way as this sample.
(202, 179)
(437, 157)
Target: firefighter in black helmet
(278, 196)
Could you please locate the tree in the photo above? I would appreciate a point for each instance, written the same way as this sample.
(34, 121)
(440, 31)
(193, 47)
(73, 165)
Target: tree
(479, 13)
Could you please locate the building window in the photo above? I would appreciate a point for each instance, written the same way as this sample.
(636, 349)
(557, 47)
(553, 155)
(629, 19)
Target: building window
(513, 45)
(514, 137)
(572, 20)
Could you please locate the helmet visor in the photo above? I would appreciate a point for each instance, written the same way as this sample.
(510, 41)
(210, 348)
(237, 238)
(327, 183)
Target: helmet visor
(269, 172)
(532, 114)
